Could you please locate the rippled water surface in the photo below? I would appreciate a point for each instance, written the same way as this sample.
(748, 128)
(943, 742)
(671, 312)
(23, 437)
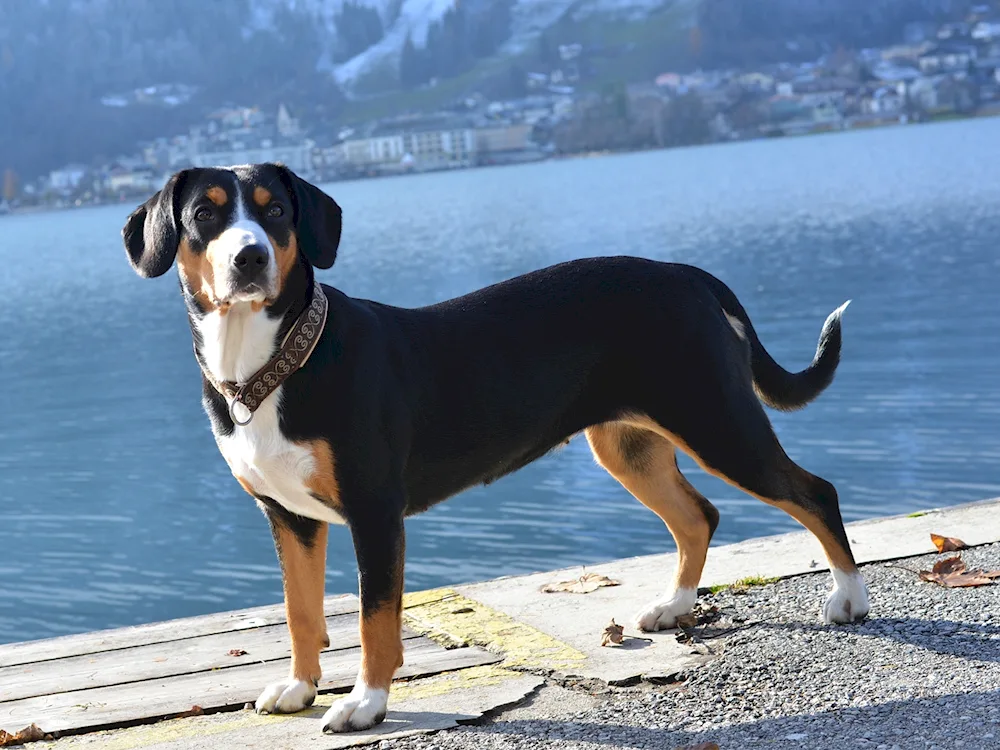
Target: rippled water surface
(116, 508)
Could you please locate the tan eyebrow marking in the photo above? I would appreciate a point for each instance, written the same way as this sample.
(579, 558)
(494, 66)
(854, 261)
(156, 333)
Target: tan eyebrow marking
(217, 195)
(261, 196)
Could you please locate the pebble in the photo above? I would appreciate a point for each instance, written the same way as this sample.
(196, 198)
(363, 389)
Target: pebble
(922, 672)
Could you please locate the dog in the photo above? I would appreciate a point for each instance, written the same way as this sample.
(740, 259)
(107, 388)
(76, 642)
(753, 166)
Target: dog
(330, 409)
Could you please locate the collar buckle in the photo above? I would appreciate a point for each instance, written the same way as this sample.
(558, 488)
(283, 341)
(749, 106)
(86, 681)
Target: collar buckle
(238, 399)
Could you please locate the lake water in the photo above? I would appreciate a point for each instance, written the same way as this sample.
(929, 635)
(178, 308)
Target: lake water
(116, 507)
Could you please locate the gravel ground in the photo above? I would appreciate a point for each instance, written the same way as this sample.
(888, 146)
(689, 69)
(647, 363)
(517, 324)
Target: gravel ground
(922, 672)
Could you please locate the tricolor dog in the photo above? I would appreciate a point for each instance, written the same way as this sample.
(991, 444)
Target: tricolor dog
(330, 409)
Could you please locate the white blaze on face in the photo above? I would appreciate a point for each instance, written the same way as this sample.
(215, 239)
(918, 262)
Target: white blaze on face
(237, 335)
(241, 233)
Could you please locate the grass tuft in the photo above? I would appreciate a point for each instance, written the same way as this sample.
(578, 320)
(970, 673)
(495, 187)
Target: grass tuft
(743, 584)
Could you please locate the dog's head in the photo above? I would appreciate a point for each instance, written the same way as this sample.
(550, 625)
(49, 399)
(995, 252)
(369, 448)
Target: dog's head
(237, 234)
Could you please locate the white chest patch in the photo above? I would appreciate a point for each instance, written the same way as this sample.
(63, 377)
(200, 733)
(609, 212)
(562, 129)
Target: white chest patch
(272, 465)
(234, 347)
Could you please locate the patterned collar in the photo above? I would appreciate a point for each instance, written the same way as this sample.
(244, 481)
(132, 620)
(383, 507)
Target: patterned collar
(294, 352)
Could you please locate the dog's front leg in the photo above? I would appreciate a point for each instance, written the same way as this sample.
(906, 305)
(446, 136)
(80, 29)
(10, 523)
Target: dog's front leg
(379, 544)
(301, 546)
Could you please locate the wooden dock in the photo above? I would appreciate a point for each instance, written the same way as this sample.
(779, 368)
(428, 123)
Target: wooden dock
(124, 677)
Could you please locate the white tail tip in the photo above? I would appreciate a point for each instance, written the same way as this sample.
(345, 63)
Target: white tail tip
(835, 315)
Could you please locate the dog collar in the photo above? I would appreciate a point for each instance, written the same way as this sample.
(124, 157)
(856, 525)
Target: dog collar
(294, 352)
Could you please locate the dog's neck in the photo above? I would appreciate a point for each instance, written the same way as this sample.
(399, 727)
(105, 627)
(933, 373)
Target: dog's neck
(235, 342)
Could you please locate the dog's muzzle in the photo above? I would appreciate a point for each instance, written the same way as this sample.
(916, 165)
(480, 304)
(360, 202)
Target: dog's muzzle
(250, 263)
(249, 269)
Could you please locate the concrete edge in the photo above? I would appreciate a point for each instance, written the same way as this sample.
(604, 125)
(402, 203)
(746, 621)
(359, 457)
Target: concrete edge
(872, 539)
(482, 614)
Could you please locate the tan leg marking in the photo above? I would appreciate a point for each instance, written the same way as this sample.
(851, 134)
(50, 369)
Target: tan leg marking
(656, 482)
(836, 554)
(382, 631)
(382, 644)
(303, 572)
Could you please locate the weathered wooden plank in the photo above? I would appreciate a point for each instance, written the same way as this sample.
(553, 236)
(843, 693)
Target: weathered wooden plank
(158, 660)
(159, 632)
(104, 707)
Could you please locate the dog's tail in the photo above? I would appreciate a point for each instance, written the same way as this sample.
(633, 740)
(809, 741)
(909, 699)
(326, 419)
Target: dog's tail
(776, 386)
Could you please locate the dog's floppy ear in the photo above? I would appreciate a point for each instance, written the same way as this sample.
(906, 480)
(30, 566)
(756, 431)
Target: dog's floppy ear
(150, 232)
(317, 219)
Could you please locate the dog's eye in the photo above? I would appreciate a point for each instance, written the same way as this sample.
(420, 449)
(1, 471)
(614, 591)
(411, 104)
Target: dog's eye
(203, 214)
(275, 211)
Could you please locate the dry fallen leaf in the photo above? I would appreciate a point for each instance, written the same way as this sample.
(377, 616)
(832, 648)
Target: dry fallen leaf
(28, 734)
(237, 652)
(948, 543)
(687, 621)
(583, 585)
(194, 711)
(700, 746)
(951, 573)
(613, 633)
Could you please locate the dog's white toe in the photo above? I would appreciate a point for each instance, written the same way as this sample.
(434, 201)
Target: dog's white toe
(663, 613)
(848, 602)
(362, 709)
(286, 697)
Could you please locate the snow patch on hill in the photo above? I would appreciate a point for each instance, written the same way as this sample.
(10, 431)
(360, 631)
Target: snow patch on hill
(414, 18)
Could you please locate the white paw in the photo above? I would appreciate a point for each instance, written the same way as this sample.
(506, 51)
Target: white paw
(848, 602)
(286, 697)
(663, 613)
(362, 709)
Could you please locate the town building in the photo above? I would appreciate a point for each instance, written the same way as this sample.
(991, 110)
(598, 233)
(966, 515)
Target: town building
(295, 154)
(417, 149)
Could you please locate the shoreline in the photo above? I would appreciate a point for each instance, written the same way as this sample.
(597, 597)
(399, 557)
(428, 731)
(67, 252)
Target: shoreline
(819, 131)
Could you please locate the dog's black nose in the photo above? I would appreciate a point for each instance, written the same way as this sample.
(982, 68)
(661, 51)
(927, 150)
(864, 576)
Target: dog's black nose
(251, 260)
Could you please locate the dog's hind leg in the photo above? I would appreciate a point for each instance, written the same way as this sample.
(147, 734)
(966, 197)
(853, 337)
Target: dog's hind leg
(646, 465)
(730, 436)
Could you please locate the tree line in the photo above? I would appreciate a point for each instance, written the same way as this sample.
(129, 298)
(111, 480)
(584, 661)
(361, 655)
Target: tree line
(59, 58)
(455, 42)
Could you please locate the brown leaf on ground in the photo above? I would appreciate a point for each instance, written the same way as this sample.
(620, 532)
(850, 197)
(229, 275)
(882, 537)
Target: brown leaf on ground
(193, 711)
(28, 734)
(948, 543)
(237, 652)
(687, 621)
(613, 633)
(700, 746)
(583, 585)
(952, 573)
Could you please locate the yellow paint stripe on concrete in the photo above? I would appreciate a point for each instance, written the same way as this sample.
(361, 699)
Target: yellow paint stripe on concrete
(172, 730)
(447, 616)
(442, 684)
(442, 614)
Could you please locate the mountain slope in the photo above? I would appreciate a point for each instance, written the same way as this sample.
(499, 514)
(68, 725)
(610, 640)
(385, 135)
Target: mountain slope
(75, 75)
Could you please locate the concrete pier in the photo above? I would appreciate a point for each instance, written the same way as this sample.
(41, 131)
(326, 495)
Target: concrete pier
(470, 649)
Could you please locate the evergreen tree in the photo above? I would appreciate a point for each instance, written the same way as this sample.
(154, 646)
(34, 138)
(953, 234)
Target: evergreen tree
(411, 65)
(358, 28)
(548, 53)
